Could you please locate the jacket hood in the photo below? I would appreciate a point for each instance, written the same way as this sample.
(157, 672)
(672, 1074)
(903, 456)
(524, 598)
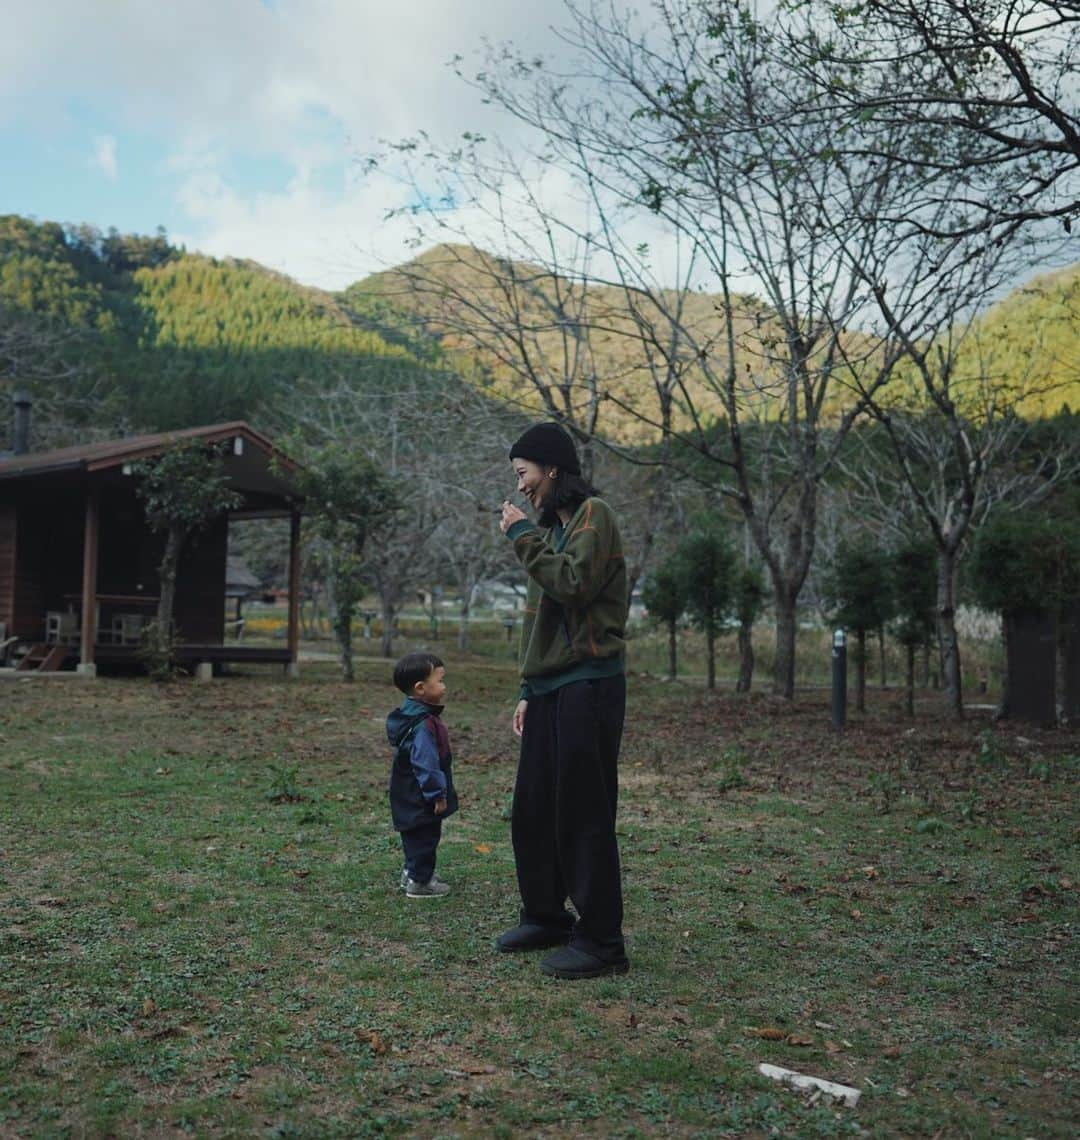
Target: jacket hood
(402, 720)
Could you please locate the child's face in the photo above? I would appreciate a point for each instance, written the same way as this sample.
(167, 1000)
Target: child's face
(432, 689)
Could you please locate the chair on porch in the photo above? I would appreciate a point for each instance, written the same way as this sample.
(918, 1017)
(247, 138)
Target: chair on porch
(61, 628)
(5, 643)
(127, 629)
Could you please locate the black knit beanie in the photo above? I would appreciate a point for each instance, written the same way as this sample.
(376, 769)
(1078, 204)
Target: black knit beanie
(548, 443)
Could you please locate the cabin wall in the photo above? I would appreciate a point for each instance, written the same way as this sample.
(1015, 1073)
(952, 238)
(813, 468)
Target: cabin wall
(41, 536)
(7, 563)
(200, 587)
(129, 552)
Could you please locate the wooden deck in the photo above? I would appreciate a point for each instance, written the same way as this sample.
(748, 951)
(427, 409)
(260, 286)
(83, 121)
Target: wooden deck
(188, 655)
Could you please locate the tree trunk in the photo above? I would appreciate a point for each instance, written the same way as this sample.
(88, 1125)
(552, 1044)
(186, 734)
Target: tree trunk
(389, 617)
(463, 625)
(1004, 707)
(784, 664)
(910, 699)
(947, 637)
(167, 575)
(746, 657)
(860, 670)
(672, 647)
(343, 632)
(167, 581)
(1062, 672)
(710, 649)
(881, 656)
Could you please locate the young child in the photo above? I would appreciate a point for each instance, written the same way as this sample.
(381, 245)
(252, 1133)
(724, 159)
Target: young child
(421, 782)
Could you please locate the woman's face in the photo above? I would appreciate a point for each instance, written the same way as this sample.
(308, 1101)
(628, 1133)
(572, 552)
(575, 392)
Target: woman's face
(533, 480)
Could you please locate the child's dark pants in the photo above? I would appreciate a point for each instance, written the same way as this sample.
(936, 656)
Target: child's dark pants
(563, 820)
(421, 844)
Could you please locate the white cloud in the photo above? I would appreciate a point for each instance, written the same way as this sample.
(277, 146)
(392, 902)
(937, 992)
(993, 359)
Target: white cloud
(104, 158)
(238, 92)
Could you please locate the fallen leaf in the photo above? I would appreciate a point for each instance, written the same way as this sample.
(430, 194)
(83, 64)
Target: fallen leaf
(373, 1039)
(472, 1071)
(767, 1032)
(797, 1039)
(822, 1025)
(879, 980)
(632, 1021)
(870, 872)
(162, 771)
(855, 913)
(891, 1051)
(482, 848)
(148, 1007)
(833, 1047)
(301, 873)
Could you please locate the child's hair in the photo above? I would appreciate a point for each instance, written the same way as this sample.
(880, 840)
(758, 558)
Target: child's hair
(415, 667)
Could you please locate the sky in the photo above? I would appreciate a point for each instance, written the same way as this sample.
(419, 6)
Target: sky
(238, 124)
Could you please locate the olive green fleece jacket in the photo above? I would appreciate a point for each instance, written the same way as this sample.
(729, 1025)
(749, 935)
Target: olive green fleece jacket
(576, 604)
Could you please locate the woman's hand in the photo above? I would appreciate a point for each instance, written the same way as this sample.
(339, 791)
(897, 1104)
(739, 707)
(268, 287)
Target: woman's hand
(510, 515)
(519, 717)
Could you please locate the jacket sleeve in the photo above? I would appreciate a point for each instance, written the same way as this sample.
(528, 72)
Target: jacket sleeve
(576, 574)
(425, 764)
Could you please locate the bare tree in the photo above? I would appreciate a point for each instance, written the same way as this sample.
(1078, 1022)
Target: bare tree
(866, 254)
(697, 119)
(444, 445)
(42, 358)
(988, 87)
(511, 281)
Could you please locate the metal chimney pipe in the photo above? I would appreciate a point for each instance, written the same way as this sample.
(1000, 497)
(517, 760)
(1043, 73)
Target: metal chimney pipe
(21, 435)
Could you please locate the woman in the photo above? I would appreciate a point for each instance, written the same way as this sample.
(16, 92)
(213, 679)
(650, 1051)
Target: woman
(570, 715)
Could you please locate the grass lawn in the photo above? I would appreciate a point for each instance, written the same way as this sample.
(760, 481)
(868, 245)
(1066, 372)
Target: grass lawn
(184, 949)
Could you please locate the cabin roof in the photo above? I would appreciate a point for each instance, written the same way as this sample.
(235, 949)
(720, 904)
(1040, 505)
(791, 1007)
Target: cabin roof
(116, 452)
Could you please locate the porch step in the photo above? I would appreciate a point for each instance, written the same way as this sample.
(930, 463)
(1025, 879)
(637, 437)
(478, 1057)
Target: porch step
(44, 658)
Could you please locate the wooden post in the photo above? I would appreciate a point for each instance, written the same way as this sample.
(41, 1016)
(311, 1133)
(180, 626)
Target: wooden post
(89, 583)
(294, 593)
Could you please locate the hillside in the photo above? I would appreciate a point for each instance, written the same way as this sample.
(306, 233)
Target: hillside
(113, 332)
(116, 333)
(517, 328)
(1031, 339)
(1028, 343)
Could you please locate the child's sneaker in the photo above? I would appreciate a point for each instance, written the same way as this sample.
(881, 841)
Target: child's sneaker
(433, 888)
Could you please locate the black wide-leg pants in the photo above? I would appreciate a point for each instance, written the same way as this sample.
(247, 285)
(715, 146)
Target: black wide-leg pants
(563, 819)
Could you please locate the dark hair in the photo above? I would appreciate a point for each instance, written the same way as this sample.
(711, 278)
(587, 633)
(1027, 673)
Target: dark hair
(415, 667)
(568, 491)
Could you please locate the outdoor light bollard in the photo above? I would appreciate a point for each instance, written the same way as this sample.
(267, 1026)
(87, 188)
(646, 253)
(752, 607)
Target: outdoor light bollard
(839, 679)
(368, 616)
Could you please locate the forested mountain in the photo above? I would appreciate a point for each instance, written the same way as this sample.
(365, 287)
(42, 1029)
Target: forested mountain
(119, 333)
(488, 313)
(113, 333)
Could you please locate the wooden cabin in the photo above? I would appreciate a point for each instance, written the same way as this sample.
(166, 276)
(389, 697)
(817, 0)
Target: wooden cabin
(79, 564)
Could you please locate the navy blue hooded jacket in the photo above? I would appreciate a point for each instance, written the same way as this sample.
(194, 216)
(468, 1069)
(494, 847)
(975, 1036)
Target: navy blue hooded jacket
(421, 772)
